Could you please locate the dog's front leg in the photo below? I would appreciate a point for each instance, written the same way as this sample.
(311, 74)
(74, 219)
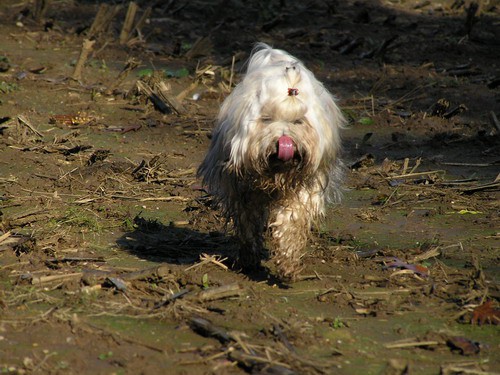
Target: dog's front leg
(291, 220)
(250, 218)
(289, 232)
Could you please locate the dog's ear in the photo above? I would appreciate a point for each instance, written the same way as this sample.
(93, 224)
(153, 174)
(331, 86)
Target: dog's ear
(212, 167)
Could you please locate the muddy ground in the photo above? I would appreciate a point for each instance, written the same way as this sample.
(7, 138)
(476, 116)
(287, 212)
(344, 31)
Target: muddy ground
(112, 258)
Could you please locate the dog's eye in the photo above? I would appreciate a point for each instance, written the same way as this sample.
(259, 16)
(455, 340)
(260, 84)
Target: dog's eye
(298, 122)
(266, 120)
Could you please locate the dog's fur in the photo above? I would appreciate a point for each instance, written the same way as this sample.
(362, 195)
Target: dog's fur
(258, 190)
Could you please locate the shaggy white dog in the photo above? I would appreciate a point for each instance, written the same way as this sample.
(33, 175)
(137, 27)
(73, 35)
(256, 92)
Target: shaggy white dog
(273, 162)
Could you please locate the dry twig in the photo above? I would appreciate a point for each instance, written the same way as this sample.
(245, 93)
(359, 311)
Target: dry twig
(221, 292)
(103, 19)
(128, 24)
(411, 344)
(84, 54)
(205, 259)
(40, 280)
(24, 121)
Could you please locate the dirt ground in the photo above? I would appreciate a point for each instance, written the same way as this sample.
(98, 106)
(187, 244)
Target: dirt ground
(113, 259)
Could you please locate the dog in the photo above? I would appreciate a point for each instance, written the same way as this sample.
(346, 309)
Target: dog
(273, 163)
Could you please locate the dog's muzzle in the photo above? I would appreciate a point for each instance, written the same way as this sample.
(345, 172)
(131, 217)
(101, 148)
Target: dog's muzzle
(285, 155)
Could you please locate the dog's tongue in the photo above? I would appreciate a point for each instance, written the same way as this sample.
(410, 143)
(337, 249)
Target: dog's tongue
(285, 148)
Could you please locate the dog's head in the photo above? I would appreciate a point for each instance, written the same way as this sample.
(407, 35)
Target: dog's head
(280, 125)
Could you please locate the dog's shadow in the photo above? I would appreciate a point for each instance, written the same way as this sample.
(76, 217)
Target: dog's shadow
(157, 242)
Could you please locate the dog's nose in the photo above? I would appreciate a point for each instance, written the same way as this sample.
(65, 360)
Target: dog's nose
(285, 148)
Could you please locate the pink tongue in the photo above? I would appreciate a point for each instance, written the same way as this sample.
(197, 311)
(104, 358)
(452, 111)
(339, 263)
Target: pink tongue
(285, 148)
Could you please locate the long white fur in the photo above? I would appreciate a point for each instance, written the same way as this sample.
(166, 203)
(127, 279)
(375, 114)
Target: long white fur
(237, 169)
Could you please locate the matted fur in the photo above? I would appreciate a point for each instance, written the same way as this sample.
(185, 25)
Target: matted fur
(257, 191)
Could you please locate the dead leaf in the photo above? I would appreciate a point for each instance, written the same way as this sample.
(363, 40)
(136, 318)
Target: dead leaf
(486, 314)
(463, 345)
(416, 268)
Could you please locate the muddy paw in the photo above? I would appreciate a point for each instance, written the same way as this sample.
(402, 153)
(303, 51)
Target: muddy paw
(288, 270)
